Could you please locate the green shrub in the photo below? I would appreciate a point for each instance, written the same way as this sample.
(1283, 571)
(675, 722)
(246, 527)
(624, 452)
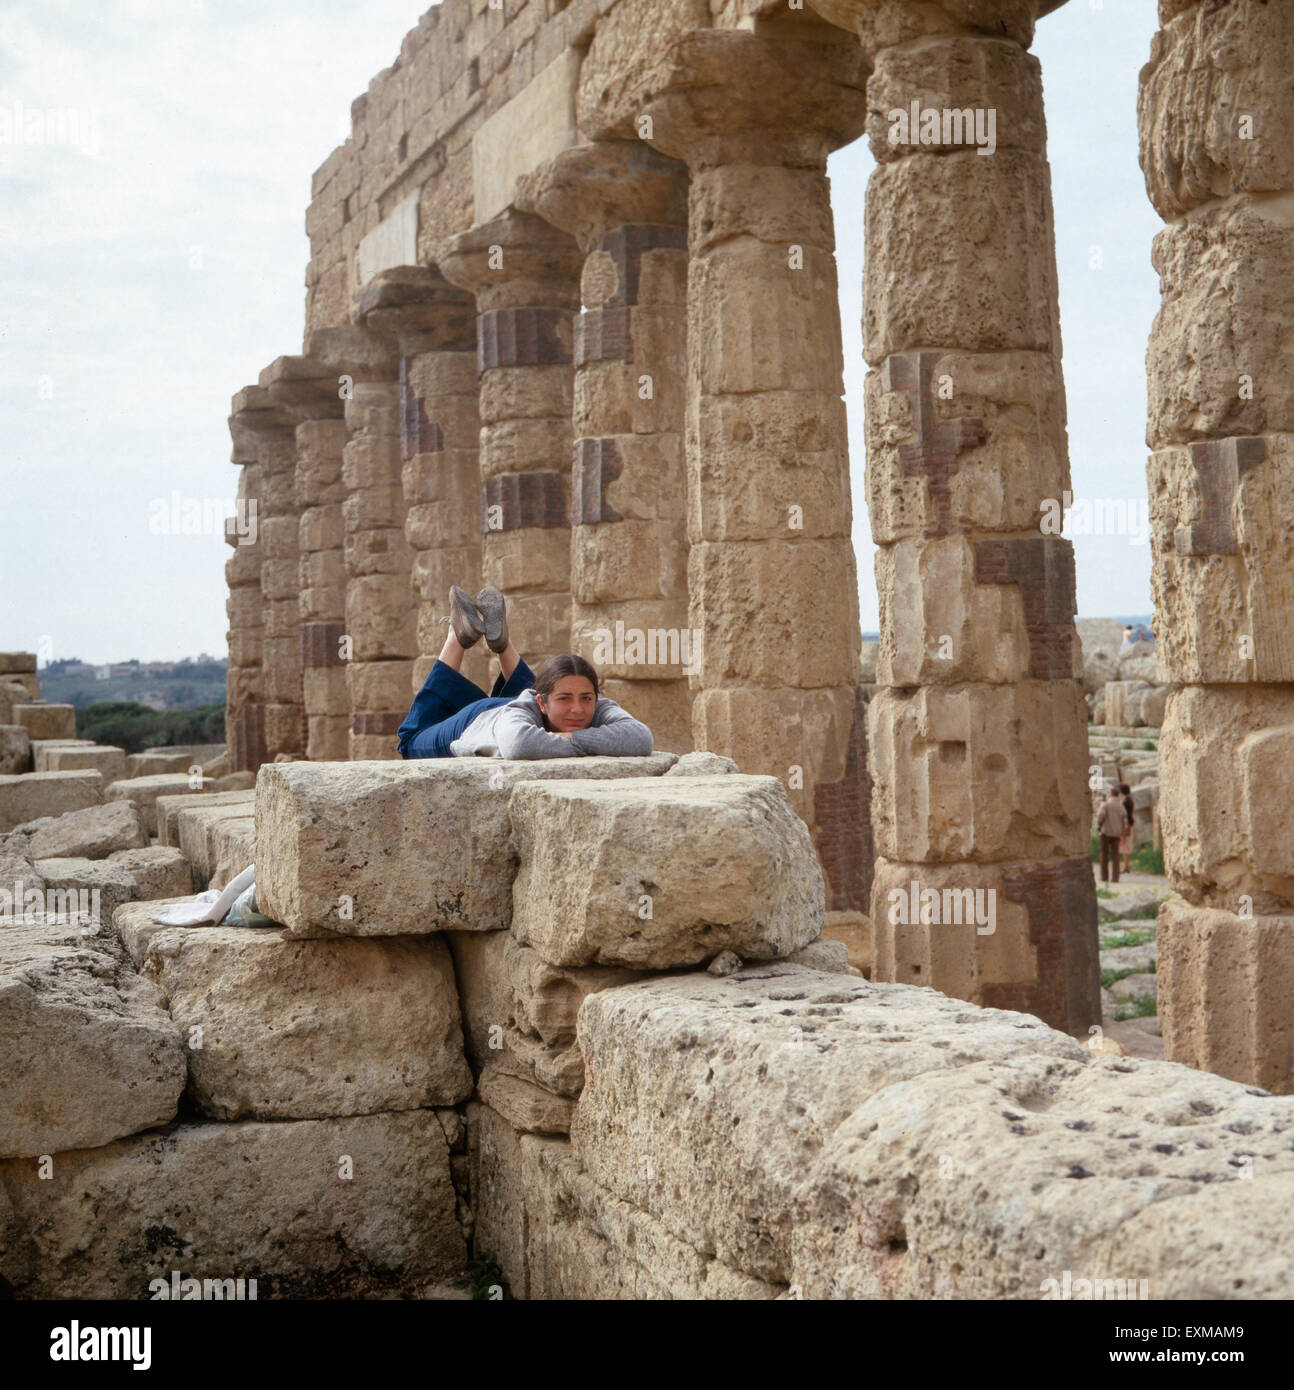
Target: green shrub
(135, 727)
(1146, 859)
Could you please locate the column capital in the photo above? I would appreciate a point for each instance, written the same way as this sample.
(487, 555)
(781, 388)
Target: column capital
(355, 352)
(516, 260)
(884, 23)
(589, 190)
(306, 388)
(725, 96)
(420, 310)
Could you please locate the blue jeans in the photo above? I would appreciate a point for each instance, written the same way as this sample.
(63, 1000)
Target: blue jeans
(447, 704)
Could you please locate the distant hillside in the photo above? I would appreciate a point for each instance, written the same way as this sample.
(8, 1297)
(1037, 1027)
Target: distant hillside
(160, 685)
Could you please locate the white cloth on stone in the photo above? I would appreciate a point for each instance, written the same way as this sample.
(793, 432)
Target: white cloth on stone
(210, 907)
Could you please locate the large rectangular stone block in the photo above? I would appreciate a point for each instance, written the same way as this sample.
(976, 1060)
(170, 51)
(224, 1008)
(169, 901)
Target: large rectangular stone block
(195, 828)
(87, 1054)
(309, 1208)
(380, 616)
(1225, 985)
(1004, 250)
(15, 750)
(1225, 807)
(965, 441)
(357, 1026)
(707, 1101)
(663, 873)
(1212, 364)
(144, 791)
(46, 721)
(30, 795)
(17, 662)
(1222, 512)
(393, 848)
(981, 772)
(170, 805)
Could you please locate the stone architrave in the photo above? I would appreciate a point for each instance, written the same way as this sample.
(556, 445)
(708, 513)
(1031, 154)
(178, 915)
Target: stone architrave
(1221, 425)
(626, 207)
(525, 275)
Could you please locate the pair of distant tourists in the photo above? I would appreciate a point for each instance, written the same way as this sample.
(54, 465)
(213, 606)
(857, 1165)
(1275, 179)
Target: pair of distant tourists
(1114, 819)
(557, 714)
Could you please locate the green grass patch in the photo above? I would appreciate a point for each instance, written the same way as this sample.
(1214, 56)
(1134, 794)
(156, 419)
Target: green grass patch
(1106, 893)
(1146, 859)
(484, 1278)
(1127, 938)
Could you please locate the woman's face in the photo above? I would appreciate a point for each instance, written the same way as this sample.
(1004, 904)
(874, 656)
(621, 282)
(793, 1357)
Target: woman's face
(571, 704)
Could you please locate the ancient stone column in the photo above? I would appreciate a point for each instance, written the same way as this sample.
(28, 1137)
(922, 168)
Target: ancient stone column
(263, 713)
(771, 576)
(525, 276)
(433, 324)
(309, 389)
(980, 806)
(626, 207)
(1215, 114)
(244, 607)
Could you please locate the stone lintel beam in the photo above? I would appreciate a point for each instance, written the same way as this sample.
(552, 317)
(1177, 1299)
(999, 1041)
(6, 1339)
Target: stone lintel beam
(305, 387)
(589, 190)
(421, 310)
(724, 96)
(517, 260)
(254, 409)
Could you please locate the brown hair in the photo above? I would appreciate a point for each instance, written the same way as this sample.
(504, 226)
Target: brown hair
(558, 667)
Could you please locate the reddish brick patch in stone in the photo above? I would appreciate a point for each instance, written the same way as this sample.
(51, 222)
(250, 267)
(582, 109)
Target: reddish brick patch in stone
(248, 749)
(522, 338)
(843, 814)
(603, 335)
(597, 463)
(933, 455)
(320, 644)
(626, 246)
(1043, 568)
(524, 499)
(418, 434)
(1220, 465)
(1060, 899)
(383, 723)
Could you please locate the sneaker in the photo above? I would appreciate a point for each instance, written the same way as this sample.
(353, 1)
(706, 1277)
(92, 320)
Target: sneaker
(492, 607)
(464, 618)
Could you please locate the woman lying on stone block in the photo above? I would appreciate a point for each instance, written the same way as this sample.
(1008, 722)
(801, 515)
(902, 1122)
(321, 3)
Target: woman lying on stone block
(555, 715)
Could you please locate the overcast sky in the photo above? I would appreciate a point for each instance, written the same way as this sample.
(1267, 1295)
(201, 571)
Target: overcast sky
(152, 250)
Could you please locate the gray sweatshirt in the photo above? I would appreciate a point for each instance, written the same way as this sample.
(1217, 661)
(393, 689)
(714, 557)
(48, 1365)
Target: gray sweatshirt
(517, 730)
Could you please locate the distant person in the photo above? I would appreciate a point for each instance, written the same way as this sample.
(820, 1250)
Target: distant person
(1110, 823)
(1129, 639)
(1125, 840)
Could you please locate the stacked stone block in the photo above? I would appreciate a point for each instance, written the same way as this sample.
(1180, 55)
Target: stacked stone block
(977, 735)
(626, 207)
(524, 275)
(1214, 116)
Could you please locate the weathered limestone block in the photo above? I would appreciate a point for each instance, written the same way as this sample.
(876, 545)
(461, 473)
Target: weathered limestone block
(259, 1200)
(708, 1099)
(1225, 989)
(954, 610)
(231, 847)
(1211, 365)
(785, 607)
(96, 885)
(1203, 79)
(988, 773)
(144, 792)
(17, 662)
(153, 764)
(33, 795)
(528, 1108)
(1221, 513)
(15, 750)
(158, 872)
(519, 1011)
(195, 830)
(831, 957)
(295, 1030)
(88, 1054)
(92, 833)
(911, 298)
(609, 872)
(18, 875)
(412, 847)
(1008, 936)
(12, 694)
(1123, 702)
(1224, 805)
(111, 762)
(1002, 412)
(959, 75)
(702, 765)
(990, 1180)
(886, 25)
(380, 617)
(170, 806)
(46, 721)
